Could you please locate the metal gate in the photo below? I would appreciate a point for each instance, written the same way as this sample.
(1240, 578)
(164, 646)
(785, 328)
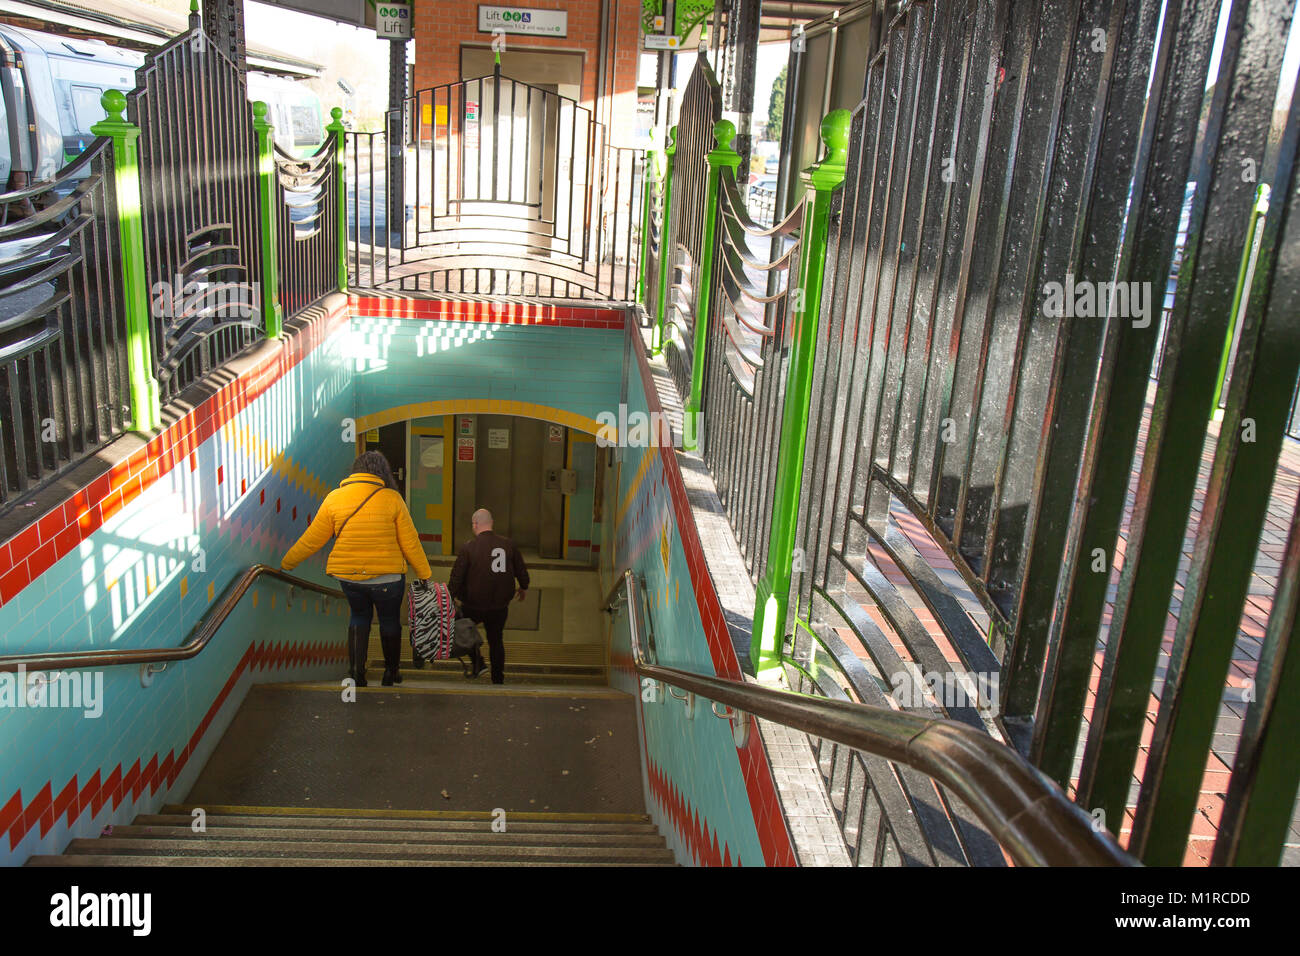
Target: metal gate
(505, 188)
(199, 195)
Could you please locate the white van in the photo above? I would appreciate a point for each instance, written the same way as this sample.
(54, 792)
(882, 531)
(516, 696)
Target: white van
(50, 89)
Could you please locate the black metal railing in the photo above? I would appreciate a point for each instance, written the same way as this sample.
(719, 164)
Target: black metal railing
(888, 814)
(509, 189)
(701, 108)
(913, 770)
(306, 198)
(974, 482)
(652, 237)
(974, 440)
(64, 390)
(744, 373)
(199, 206)
(365, 175)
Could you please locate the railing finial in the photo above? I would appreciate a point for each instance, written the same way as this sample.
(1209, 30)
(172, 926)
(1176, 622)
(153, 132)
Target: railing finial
(114, 103)
(724, 131)
(835, 134)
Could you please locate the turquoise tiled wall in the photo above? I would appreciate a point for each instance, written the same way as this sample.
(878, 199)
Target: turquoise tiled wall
(579, 505)
(248, 494)
(698, 755)
(122, 588)
(407, 361)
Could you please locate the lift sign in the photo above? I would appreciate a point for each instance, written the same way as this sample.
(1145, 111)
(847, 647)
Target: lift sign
(523, 20)
(393, 21)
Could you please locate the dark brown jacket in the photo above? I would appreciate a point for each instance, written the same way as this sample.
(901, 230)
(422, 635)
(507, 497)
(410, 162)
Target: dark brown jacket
(486, 569)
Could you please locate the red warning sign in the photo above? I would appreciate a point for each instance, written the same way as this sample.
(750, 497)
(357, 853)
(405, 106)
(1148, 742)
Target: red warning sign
(464, 449)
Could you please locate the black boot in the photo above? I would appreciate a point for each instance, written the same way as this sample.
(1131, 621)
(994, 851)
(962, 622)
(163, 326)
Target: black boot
(392, 645)
(416, 660)
(477, 666)
(358, 651)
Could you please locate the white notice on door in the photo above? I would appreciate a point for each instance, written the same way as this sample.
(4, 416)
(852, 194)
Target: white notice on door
(498, 438)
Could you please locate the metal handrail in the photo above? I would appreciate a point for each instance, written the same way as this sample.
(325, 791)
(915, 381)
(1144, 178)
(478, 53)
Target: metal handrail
(203, 631)
(1023, 809)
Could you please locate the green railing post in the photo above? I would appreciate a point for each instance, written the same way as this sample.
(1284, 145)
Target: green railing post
(665, 243)
(722, 155)
(772, 599)
(647, 181)
(336, 127)
(1248, 256)
(145, 411)
(272, 320)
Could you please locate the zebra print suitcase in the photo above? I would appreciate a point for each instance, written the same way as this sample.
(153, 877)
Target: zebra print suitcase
(432, 616)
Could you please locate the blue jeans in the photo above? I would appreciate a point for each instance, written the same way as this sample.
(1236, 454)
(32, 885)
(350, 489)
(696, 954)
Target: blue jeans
(365, 599)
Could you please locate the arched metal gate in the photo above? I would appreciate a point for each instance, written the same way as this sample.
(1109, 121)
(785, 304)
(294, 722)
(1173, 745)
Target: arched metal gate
(506, 188)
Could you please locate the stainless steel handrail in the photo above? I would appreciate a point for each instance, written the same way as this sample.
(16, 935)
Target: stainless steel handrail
(202, 632)
(1024, 810)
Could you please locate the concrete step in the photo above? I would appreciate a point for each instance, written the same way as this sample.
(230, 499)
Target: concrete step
(206, 846)
(413, 818)
(515, 825)
(360, 834)
(546, 653)
(441, 672)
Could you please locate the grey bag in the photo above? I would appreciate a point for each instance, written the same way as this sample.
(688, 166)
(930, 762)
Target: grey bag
(465, 640)
(465, 636)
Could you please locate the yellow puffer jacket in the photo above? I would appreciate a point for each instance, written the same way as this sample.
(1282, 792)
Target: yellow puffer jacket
(380, 538)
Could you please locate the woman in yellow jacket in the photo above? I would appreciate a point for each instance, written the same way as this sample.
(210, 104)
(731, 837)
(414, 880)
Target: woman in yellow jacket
(376, 539)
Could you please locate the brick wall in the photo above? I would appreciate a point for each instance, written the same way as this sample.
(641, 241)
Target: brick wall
(439, 36)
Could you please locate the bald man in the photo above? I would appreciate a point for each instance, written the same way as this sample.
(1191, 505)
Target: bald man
(483, 580)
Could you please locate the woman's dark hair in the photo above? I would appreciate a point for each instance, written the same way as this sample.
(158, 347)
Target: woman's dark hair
(374, 463)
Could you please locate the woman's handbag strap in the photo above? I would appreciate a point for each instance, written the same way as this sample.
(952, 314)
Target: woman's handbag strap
(338, 534)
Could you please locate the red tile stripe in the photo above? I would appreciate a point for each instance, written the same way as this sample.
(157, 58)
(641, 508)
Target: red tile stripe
(501, 313)
(700, 839)
(773, 835)
(33, 550)
(44, 809)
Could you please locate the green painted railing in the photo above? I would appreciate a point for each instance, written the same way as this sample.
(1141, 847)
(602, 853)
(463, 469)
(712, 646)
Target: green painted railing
(665, 241)
(266, 172)
(336, 127)
(772, 599)
(721, 157)
(145, 412)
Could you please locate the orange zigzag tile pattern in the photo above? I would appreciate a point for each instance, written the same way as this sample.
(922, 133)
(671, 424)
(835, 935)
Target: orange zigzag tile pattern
(700, 839)
(45, 808)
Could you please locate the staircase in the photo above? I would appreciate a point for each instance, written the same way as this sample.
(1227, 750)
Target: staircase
(527, 662)
(280, 836)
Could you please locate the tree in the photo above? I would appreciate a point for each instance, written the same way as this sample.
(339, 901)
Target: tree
(776, 106)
